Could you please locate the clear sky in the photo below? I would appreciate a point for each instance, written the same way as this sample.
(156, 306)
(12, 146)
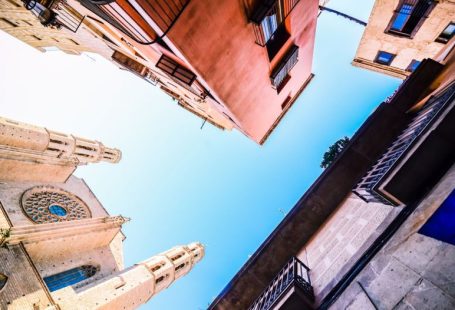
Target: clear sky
(177, 182)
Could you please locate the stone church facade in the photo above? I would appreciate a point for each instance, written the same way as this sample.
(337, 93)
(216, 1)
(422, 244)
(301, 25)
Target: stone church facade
(60, 248)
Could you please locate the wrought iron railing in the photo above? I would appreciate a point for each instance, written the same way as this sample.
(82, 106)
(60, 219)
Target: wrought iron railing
(293, 273)
(366, 188)
(287, 63)
(55, 13)
(279, 10)
(133, 17)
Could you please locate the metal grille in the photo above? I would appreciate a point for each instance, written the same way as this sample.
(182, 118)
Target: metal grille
(365, 189)
(293, 273)
(287, 63)
(268, 17)
(169, 66)
(67, 16)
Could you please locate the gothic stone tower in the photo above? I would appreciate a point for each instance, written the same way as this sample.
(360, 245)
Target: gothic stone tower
(60, 249)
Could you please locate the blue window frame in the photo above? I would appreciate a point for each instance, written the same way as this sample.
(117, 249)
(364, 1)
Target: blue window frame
(384, 58)
(413, 65)
(69, 277)
(441, 225)
(401, 17)
(57, 210)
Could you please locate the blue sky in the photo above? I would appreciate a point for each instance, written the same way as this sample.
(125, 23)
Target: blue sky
(177, 182)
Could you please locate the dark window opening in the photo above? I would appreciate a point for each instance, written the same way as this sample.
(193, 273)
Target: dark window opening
(283, 83)
(9, 22)
(446, 34)
(3, 280)
(36, 37)
(286, 102)
(384, 58)
(174, 69)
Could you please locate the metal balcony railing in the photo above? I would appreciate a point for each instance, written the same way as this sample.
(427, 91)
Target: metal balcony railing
(294, 273)
(367, 187)
(280, 73)
(267, 18)
(133, 17)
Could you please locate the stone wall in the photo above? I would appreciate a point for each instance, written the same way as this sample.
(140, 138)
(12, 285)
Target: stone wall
(23, 290)
(336, 246)
(412, 271)
(422, 45)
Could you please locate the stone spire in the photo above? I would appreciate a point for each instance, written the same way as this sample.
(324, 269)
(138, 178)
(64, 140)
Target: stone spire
(134, 286)
(32, 153)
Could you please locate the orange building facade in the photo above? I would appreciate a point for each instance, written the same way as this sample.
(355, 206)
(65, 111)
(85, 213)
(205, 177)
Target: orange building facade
(235, 64)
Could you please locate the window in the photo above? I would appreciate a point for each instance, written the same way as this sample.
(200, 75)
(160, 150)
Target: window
(269, 28)
(409, 16)
(384, 58)
(413, 65)
(69, 277)
(174, 69)
(441, 225)
(281, 72)
(57, 210)
(446, 34)
(3, 280)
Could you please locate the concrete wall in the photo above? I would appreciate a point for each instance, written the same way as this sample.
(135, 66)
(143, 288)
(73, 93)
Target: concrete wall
(342, 238)
(421, 46)
(412, 271)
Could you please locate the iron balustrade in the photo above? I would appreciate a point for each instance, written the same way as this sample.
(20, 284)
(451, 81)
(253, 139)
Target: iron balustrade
(139, 19)
(294, 273)
(67, 16)
(280, 73)
(267, 18)
(367, 187)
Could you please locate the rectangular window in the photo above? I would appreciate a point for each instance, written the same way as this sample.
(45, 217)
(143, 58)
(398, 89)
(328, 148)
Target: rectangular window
(409, 16)
(384, 58)
(174, 69)
(413, 65)
(446, 34)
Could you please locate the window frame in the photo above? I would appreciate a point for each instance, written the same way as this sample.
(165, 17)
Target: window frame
(376, 59)
(411, 64)
(416, 28)
(443, 41)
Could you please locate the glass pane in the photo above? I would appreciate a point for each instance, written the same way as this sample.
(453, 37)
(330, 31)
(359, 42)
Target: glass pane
(384, 58)
(3, 280)
(402, 17)
(57, 210)
(448, 32)
(69, 277)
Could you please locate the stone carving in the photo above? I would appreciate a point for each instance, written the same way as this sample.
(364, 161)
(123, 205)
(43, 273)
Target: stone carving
(40, 202)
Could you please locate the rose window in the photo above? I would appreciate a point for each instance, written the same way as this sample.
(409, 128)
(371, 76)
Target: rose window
(47, 204)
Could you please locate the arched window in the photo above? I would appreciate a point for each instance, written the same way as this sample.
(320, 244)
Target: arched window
(69, 277)
(3, 280)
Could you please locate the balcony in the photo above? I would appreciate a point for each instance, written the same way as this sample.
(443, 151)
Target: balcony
(268, 21)
(144, 21)
(281, 73)
(134, 67)
(55, 14)
(417, 156)
(290, 290)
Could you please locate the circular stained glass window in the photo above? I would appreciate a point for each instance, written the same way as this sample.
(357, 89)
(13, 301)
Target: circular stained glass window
(47, 204)
(57, 210)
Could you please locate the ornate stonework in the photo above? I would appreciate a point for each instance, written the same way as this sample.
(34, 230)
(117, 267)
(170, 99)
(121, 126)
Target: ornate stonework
(47, 204)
